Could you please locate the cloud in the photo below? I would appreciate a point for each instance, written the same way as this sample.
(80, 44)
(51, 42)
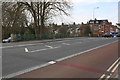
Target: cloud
(92, 1)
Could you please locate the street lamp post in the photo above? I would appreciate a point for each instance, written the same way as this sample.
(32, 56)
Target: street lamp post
(94, 12)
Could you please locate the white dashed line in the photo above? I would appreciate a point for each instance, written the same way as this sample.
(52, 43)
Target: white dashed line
(48, 46)
(26, 50)
(65, 43)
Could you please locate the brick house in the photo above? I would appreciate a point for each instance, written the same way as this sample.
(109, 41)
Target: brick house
(118, 27)
(99, 27)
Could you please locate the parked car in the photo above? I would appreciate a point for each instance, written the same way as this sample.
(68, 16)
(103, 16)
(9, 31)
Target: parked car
(108, 35)
(6, 40)
(118, 35)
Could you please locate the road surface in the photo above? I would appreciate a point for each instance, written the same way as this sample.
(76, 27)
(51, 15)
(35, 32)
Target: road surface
(20, 58)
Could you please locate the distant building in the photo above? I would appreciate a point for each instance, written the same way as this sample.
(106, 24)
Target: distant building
(66, 29)
(99, 27)
(98, 22)
(118, 27)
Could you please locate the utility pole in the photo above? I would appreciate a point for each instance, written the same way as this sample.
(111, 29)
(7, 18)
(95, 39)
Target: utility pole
(94, 12)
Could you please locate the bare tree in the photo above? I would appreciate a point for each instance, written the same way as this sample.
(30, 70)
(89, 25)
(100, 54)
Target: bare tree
(13, 17)
(44, 10)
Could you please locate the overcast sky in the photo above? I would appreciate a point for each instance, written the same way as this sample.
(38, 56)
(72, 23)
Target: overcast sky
(82, 11)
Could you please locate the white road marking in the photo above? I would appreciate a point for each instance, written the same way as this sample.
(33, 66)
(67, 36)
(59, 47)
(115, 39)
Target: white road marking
(17, 46)
(52, 62)
(115, 67)
(37, 50)
(48, 46)
(7, 47)
(65, 43)
(108, 70)
(24, 45)
(102, 77)
(113, 64)
(20, 45)
(43, 49)
(78, 42)
(26, 50)
(60, 41)
(113, 70)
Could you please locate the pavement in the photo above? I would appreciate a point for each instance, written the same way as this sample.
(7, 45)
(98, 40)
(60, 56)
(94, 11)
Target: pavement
(39, 58)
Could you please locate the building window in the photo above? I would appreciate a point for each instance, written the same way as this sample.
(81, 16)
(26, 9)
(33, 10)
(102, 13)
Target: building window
(97, 22)
(91, 22)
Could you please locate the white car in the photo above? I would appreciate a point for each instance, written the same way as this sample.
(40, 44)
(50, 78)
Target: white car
(7, 40)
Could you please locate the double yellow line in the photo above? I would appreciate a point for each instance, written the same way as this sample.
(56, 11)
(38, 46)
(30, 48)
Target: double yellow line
(110, 70)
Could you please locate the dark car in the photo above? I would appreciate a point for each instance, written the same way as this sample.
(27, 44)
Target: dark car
(108, 35)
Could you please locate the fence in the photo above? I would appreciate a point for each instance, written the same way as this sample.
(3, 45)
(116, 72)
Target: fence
(24, 37)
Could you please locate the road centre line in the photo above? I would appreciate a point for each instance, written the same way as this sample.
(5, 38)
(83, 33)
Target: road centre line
(47, 64)
(20, 45)
(7, 47)
(48, 46)
(17, 46)
(65, 43)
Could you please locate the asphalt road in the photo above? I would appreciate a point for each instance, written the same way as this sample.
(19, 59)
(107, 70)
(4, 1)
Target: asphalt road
(97, 64)
(18, 58)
